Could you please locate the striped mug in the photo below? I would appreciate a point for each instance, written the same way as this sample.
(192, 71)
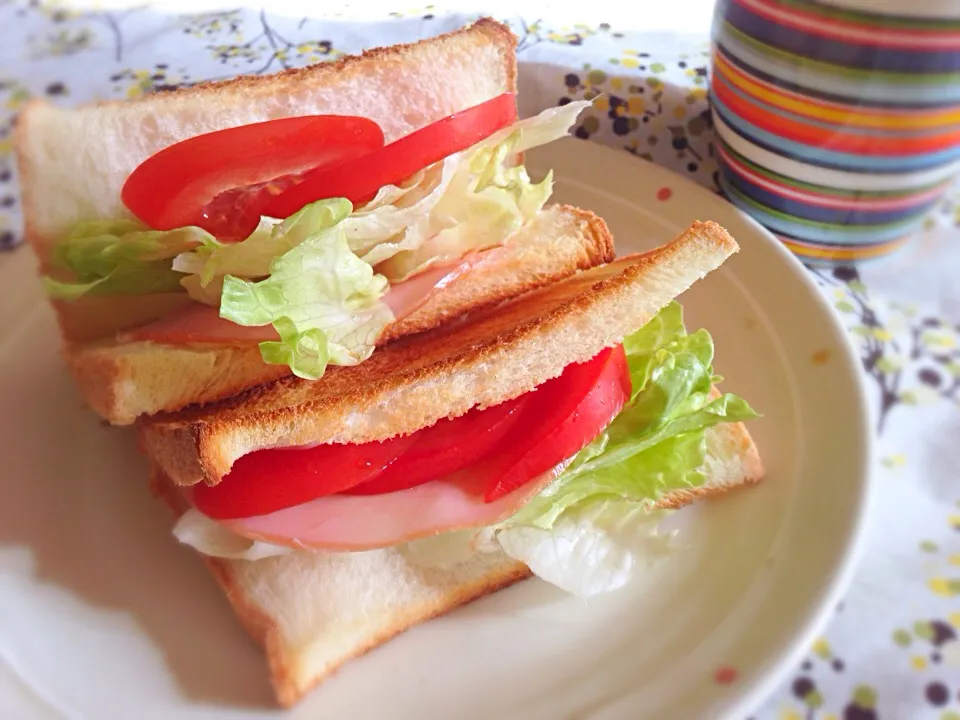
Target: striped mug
(837, 121)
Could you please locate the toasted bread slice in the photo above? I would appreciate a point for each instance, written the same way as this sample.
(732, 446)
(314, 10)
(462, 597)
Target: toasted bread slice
(122, 380)
(314, 611)
(73, 164)
(496, 355)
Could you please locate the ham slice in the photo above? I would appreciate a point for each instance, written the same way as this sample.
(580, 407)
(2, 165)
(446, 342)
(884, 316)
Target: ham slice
(198, 324)
(364, 522)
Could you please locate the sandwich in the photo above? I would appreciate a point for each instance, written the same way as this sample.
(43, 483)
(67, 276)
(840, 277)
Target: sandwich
(548, 435)
(200, 242)
(375, 373)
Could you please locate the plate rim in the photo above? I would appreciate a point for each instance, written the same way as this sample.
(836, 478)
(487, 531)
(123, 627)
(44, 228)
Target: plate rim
(841, 573)
(747, 697)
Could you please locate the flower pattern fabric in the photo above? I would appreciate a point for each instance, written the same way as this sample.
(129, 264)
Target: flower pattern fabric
(892, 649)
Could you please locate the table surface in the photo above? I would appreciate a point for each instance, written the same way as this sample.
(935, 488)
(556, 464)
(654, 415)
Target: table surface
(892, 650)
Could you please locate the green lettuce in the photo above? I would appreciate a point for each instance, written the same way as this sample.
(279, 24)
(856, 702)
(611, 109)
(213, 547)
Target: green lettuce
(324, 301)
(402, 218)
(602, 502)
(211, 538)
(657, 444)
(213, 259)
(469, 201)
(482, 206)
(540, 129)
(595, 527)
(486, 200)
(319, 276)
(120, 258)
(592, 549)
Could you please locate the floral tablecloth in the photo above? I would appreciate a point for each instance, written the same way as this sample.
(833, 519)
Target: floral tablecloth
(893, 648)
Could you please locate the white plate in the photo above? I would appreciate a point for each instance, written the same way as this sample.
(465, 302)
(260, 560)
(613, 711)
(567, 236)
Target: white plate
(103, 615)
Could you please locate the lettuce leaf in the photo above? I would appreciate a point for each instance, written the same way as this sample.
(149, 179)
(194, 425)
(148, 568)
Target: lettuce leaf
(120, 258)
(323, 300)
(319, 276)
(215, 540)
(378, 231)
(657, 444)
(469, 201)
(588, 529)
(253, 257)
(486, 200)
(250, 258)
(540, 129)
(595, 527)
(484, 205)
(592, 549)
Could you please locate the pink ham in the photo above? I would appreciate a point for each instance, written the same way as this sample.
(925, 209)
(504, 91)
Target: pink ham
(405, 297)
(364, 522)
(199, 324)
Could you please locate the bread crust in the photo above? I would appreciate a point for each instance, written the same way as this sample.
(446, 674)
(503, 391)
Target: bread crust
(251, 86)
(248, 88)
(288, 686)
(123, 380)
(737, 464)
(291, 682)
(288, 681)
(412, 383)
(519, 268)
(73, 162)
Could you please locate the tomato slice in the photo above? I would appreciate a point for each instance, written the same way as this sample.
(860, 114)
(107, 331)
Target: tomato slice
(560, 419)
(360, 178)
(501, 447)
(172, 188)
(444, 448)
(269, 480)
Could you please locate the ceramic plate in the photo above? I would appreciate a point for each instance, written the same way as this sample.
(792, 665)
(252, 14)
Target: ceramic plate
(104, 615)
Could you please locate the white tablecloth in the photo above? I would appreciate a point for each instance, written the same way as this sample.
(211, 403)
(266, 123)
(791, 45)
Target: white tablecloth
(892, 650)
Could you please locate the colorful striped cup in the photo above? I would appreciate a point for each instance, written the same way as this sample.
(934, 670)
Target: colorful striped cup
(837, 121)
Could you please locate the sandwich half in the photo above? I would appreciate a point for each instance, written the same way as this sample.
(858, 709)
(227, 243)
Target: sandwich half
(546, 435)
(200, 242)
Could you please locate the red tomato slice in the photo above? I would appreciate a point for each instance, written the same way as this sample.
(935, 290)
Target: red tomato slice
(444, 448)
(172, 188)
(502, 448)
(359, 179)
(559, 421)
(269, 480)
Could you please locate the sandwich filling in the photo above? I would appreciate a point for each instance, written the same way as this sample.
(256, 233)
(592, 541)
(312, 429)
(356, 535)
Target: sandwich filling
(309, 236)
(581, 461)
